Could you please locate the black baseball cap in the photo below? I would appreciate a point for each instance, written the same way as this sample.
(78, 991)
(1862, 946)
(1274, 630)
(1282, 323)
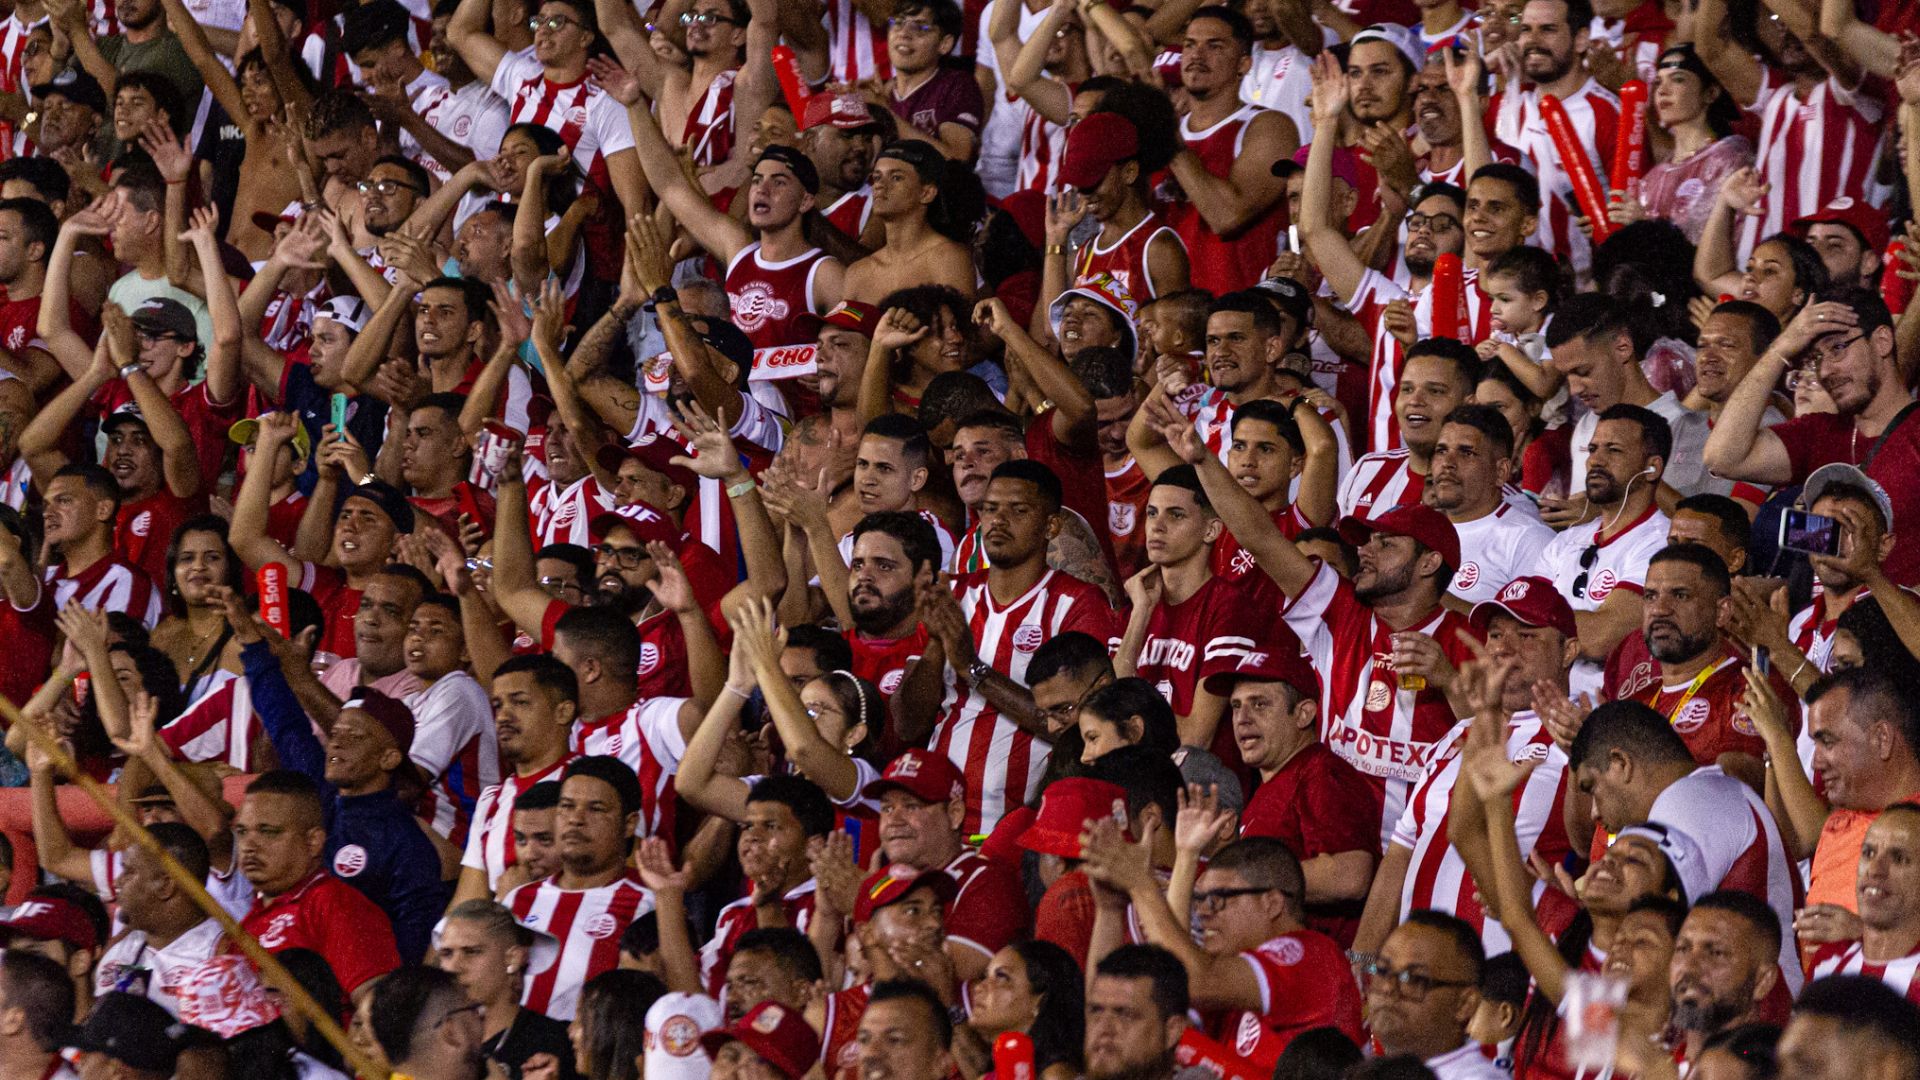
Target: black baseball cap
(77, 87)
(164, 315)
(801, 164)
(389, 500)
(610, 771)
(134, 1031)
(928, 162)
(1291, 297)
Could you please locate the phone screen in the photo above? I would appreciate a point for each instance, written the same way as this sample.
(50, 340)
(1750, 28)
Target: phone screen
(1814, 534)
(339, 417)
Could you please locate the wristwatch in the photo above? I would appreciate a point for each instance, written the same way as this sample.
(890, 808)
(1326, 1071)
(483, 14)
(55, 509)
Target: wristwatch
(978, 671)
(665, 294)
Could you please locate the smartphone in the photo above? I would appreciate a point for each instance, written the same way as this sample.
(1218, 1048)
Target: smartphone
(1812, 534)
(340, 413)
(1762, 661)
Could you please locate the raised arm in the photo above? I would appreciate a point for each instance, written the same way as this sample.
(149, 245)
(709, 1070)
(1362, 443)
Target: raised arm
(224, 382)
(620, 25)
(1873, 49)
(1319, 474)
(194, 42)
(370, 346)
(1467, 79)
(467, 33)
(719, 233)
(1026, 76)
(248, 530)
(56, 297)
(1243, 515)
(1229, 203)
(515, 587)
(279, 56)
(179, 460)
(691, 356)
(1336, 260)
(1740, 446)
(1072, 417)
(1714, 269)
(40, 440)
(1737, 70)
(699, 779)
(817, 759)
(715, 458)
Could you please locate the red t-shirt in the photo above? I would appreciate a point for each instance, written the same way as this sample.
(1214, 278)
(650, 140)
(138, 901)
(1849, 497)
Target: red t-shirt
(1318, 804)
(1083, 479)
(884, 661)
(1305, 982)
(466, 499)
(29, 635)
(991, 910)
(1823, 438)
(333, 919)
(144, 530)
(663, 651)
(1234, 562)
(206, 422)
(1708, 715)
(339, 604)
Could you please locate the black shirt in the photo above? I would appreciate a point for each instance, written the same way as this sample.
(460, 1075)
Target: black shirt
(532, 1033)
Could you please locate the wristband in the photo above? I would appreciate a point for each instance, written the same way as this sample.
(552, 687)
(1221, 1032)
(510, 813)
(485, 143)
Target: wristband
(741, 694)
(127, 369)
(1056, 249)
(734, 491)
(665, 294)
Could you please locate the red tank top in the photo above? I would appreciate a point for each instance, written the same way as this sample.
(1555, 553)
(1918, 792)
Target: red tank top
(769, 298)
(1126, 260)
(1225, 264)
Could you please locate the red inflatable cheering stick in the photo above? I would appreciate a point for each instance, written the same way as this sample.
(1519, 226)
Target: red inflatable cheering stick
(1579, 167)
(1630, 144)
(786, 70)
(273, 598)
(1013, 1057)
(1449, 298)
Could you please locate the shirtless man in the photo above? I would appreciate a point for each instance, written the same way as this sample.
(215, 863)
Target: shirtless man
(907, 177)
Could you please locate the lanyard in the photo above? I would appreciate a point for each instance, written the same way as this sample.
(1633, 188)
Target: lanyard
(1693, 688)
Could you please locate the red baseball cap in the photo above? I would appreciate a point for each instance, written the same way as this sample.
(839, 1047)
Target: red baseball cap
(1855, 214)
(923, 774)
(893, 883)
(389, 712)
(51, 918)
(1423, 523)
(646, 523)
(1284, 665)
(1066, 808)
(1532, 600)
(848, 112)
(1095, 145)
(845, 315)
(656, 452)
(781, 1036)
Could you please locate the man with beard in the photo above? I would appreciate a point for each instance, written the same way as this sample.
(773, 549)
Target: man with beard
(841, 136)
(1592, 339)
(1845, 1028)
(144, 44)
(1723, 966)
(71, 109)
(773, 274)
(1850, 333)
(968, 694)
(1381, 62)
(1550, 59)
(1448, 110)
(1309, 797)
(1252, 961)
(907, 181)
(842, 339)
(1849, 235)
(535, 700)
(1731, 341)
(1367, 637)
(1628, 766)
(1388, 312)
(1601, 566)
(394, 189)
(1137, 1007)
(1889, 903)
(1135, 245)
(895, 554)
(1437, 377)
(1231, 217)
(596, 894)
(414, 103)
(982, 442)
(1467, 475)
(1422, 992)
(81, 501)
(1699, 680)
(453, 319)
(371, 517)
(426, 1027)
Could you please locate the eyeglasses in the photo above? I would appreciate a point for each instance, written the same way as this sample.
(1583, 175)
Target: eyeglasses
(1587, 559)
(628, 557)
(1065, 712)
(915, 26)
(1213, 900)
(384, 187)
(1826, 354)
(1408, 983)
(556, 586)
(551, 22)
(1431, 223)
(704, 18)
(1802, 377)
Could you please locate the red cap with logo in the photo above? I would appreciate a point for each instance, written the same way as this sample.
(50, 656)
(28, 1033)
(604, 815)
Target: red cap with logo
(1423, 523)
(51, 918)
(1065, 810)
(1532, 600)
(781, 1036)
(656, 452)
(1094, 146)
(923, 774)
(1855, 214)
(890, 884)
(1284, 665)
(848, 112)
(845, 315)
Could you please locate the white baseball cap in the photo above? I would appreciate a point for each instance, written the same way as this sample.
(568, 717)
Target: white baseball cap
(674, 1026)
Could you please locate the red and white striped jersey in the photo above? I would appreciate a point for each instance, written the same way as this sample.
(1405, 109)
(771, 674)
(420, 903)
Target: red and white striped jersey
(1369, 303)
(107, 585)
(1850, 958)
(1812, 153)
(849, 213)
(708, 135)
(1811, 631)
(1740, 849)
(1043, 144)
(856, 48)
(739, 917)
(647, 739)
(1385, 732)
(455, 745)
(219, 725)
(1595, 114)
(592, 124)
(1379, 480)
(490, 837)
(13, 42)
(587, 923)
(1436, 876)
(770, 298)
(561, 515)
(1125, 260)
(1000, 761)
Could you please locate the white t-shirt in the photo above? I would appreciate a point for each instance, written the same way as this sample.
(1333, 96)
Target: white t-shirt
(167, 965)
(1496, 548)
(1620, 562)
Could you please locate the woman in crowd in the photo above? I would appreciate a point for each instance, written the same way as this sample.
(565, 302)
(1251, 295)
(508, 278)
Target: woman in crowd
(1126, 712)
(194, 634)
(1697, 116)
(1035, 988)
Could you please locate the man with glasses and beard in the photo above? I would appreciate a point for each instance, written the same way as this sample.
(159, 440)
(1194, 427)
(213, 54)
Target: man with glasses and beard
(1723, 966)
(1601, 566)
(1848, 336)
